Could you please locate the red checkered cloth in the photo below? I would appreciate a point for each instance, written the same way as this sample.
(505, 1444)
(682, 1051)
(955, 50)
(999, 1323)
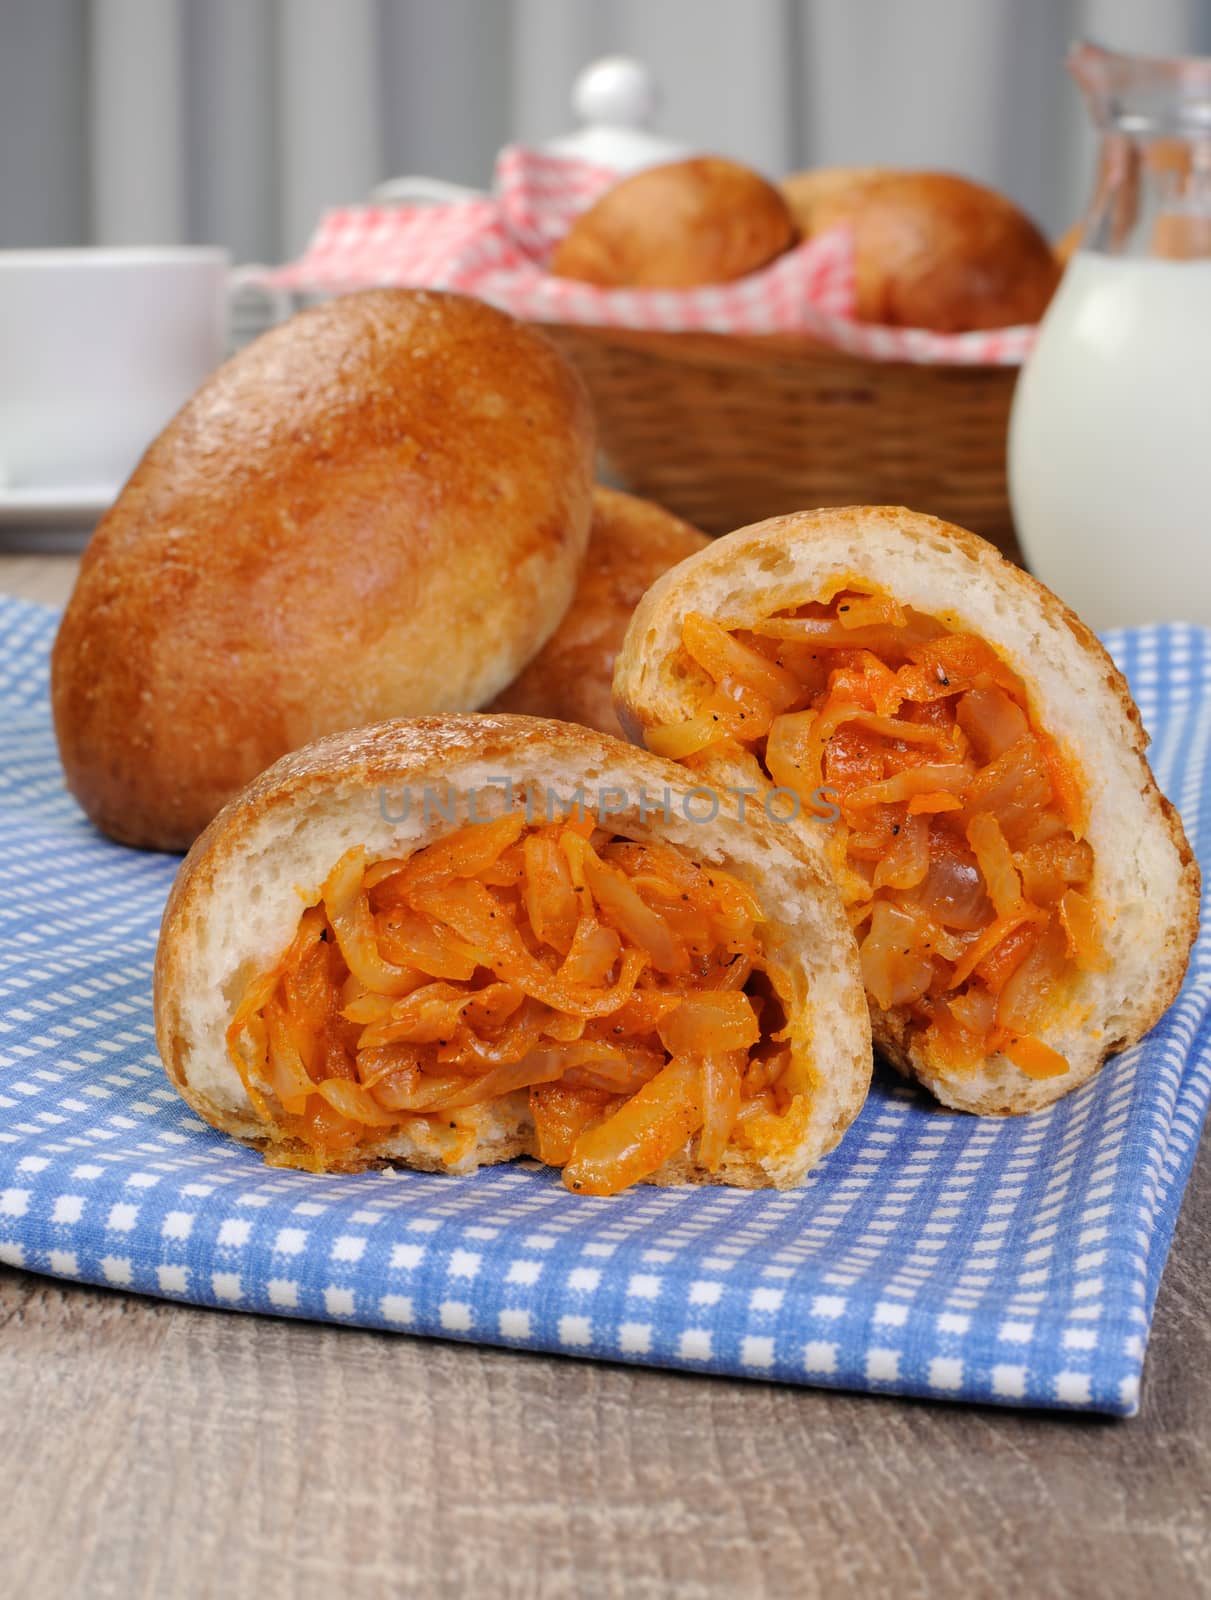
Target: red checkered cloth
(497, 248)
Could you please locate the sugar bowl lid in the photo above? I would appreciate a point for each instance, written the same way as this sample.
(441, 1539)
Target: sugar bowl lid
(615, 100)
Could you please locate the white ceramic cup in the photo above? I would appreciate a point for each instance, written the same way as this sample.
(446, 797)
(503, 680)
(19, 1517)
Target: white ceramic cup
(98, 349)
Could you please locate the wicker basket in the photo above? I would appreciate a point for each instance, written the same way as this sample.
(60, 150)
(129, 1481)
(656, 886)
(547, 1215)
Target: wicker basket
(727, 430)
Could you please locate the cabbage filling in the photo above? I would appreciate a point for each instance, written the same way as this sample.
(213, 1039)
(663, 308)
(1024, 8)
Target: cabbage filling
(621, 989)
(957, 839)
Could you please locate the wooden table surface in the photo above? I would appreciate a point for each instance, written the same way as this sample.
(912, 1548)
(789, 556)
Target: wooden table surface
(155, 1450)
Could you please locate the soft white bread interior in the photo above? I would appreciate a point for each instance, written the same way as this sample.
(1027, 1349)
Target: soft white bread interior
(237, 901)
(1146, 882)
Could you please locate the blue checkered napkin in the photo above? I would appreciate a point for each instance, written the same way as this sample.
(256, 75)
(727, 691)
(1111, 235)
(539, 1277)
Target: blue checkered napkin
(933, 1254)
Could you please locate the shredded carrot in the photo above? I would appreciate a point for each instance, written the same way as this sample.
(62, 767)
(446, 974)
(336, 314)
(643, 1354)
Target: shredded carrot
(605, 979)
(913, 724)
(1036, 1059)
(1080, 925)
(930, 804)
(1064, 785)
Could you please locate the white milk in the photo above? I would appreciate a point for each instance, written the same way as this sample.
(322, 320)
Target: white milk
(1110, 442)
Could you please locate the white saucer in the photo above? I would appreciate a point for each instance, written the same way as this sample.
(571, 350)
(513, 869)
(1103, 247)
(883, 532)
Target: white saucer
(50, 505)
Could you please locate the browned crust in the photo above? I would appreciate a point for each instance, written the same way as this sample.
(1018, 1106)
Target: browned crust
(400, 753)
(807, 191)
(649, 692)
(705, 220)
(933, 250)
(378, 508)
(631, 542)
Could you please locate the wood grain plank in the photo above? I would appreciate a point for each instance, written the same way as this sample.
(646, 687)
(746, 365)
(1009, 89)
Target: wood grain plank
(38, 577)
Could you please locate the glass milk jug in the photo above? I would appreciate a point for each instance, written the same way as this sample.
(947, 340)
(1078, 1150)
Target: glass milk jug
(1110, 437)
